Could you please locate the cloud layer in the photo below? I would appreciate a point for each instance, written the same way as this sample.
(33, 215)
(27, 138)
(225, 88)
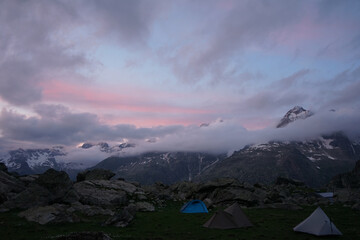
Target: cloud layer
(87, 70)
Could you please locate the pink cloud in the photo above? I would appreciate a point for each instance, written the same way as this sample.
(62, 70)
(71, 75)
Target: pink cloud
(136, 106)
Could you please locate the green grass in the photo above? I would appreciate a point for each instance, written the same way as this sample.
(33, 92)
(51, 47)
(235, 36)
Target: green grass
(169, 223)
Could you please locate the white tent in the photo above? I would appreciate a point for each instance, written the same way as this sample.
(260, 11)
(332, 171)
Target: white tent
(319, 224)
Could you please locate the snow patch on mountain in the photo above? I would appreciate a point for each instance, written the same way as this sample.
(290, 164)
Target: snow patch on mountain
(327, 142)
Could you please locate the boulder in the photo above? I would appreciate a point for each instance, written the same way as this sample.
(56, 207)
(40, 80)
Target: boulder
(88, 210)
(144, 207)
(101, 193)
(9, 186)
(208, 202)
(218, 183)
(123, 217)
(50, 187)
(287, 181)
(55, 213)
(32, 196)
(57, 183)
(28, 179)
(95, 174)
(71, 197)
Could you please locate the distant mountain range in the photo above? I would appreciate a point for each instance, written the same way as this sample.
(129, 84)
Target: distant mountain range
(33, 161)
(314, 162)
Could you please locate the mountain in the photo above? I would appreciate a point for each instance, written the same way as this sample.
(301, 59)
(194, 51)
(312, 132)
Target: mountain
(35, 161)
(166, 167)
(313, 162)
(294, 114)
(30, 161)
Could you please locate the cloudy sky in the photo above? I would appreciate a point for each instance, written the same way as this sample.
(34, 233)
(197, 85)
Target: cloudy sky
(73, 71)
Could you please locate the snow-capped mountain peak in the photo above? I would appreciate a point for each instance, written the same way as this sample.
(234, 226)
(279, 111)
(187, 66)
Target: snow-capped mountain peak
(294, 114)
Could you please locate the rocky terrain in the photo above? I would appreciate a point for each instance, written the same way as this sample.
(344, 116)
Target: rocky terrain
(52, 197)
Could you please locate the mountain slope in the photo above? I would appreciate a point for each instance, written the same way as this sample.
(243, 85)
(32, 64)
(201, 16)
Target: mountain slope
(165, 167)
(313, 162)
(35, 161)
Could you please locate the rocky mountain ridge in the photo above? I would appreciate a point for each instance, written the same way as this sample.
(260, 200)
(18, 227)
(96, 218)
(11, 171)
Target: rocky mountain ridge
(294, 114)
(313, 162)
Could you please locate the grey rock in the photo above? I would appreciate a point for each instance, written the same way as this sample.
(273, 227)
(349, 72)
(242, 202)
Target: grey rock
(208, 202)
(48, 214)
(145, 207)
(49, 187)
(95, 174)
(101, 193)
(70, 197)
(28, 179)
(9, 185)
(123, 217)
(57, 183)
(32, 196)
(88, 210)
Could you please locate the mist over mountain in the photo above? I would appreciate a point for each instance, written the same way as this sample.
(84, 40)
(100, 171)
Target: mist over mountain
(309, 147)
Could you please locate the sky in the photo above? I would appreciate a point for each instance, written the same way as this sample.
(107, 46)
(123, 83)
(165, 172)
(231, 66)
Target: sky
(154, 72)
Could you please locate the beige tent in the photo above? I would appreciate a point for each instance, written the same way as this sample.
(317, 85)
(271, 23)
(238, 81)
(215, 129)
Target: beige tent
(231, 217)
(319, 224)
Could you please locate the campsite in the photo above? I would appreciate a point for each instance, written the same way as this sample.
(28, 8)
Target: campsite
(169, 223)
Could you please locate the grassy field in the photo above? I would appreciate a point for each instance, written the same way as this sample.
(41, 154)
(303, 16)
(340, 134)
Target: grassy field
(169, 223)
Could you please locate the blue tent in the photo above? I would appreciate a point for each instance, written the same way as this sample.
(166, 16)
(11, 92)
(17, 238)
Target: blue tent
(194, 206)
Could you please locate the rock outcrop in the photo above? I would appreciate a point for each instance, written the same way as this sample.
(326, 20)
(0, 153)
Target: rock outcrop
(52, 197)
(95, 174)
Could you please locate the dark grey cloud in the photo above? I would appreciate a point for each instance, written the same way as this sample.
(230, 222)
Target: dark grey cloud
(56, 124)
(229, 135)
(36, 43)
(29, 54)
(128, 21)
